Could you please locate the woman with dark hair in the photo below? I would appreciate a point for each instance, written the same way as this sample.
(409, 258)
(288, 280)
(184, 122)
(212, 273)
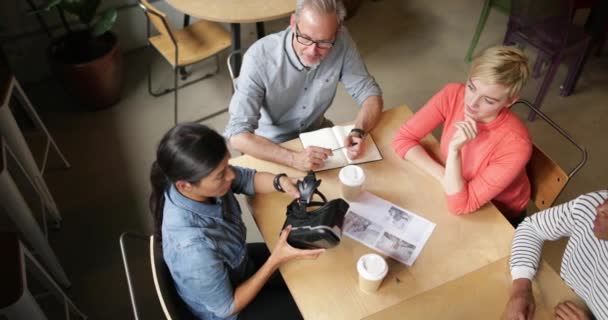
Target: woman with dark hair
(215, 271)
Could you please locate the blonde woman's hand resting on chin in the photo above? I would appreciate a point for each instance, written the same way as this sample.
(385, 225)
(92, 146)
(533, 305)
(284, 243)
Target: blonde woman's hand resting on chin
(283, 252)
(311, 158)
(568, 310)
(465, 131)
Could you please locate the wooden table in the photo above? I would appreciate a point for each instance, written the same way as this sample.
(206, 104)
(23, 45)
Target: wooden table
(482, 294)
(236, 12)
(326, 288)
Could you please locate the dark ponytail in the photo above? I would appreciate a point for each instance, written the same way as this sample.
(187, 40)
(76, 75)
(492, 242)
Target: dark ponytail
(187, 152)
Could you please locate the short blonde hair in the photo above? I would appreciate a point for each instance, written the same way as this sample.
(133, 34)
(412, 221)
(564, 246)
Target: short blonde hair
(507, 66)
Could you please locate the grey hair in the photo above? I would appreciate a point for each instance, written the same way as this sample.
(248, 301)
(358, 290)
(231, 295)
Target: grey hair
(322, 6)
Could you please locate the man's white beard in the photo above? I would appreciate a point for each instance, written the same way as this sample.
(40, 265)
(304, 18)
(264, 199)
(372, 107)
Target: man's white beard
(312, 66)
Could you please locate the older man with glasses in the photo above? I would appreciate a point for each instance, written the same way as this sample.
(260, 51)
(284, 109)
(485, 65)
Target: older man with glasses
(289, 79)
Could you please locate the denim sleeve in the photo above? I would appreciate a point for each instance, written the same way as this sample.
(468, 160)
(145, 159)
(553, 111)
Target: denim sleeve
(204, 276)
(355, 77)
(243, 182)
(248, 96)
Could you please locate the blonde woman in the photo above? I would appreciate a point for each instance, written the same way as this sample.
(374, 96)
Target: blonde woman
(484, 146)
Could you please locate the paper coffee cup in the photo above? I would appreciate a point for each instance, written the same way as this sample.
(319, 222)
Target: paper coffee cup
(372, 269)
(352, 178)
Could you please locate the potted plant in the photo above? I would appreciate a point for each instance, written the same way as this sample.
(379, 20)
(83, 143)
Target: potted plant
(86, 58)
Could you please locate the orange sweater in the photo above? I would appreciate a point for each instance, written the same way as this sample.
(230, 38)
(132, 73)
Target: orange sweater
(493, 164)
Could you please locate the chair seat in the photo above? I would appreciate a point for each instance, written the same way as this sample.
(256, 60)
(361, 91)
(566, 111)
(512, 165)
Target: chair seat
(548, 34)
(196, 42)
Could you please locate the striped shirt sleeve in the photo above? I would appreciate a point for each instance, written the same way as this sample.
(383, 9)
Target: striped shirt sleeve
(549, 224)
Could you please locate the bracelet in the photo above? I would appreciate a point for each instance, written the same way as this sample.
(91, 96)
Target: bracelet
(361, 132)
(276, 182)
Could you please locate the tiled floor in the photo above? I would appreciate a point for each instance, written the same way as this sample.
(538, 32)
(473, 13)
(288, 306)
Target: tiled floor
(412, 48)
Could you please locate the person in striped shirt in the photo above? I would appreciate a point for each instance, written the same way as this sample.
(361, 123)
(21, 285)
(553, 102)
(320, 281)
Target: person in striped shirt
(584, 264)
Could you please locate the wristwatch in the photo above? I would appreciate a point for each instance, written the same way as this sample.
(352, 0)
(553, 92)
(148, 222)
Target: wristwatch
(361, 132)
(276, 182)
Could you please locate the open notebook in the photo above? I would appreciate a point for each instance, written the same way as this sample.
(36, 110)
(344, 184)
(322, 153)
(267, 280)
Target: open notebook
(333, 138)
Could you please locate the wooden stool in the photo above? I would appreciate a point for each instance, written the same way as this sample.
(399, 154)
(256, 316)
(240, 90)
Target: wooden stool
(16, 301)
(10, 88)
(17, 209)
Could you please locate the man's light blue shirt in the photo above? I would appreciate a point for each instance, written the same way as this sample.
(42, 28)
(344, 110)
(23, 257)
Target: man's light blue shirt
(204, 246)
(277, 98)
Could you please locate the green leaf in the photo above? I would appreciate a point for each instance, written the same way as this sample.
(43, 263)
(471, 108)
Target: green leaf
(105, 22)
(49, 5)
(83, 9)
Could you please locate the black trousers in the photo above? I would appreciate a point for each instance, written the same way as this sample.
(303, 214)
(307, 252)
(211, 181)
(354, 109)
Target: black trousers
(274, 301)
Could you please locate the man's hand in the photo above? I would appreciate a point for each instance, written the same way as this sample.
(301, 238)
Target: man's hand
(570, 311)
(310, 158)
(521, 303)
(354, 151)
(465, 131)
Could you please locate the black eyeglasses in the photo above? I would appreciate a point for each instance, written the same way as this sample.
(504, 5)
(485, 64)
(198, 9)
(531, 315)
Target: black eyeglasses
(309, 42)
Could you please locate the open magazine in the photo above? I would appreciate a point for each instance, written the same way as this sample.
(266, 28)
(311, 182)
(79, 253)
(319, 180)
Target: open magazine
(385, 227)
(333, 138)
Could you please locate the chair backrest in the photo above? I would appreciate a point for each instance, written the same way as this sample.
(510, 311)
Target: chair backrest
(157, 17)
(547, 178)
(173, 306)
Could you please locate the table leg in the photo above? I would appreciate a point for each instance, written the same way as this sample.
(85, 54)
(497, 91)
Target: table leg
(236, 46)
(259, 26)
(17, 209)
(182, 70)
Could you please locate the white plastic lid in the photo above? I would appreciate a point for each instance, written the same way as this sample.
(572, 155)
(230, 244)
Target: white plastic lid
(372, 267)
(352, 176)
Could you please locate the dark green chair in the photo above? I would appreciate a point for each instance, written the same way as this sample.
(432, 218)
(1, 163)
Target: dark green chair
(503, 6)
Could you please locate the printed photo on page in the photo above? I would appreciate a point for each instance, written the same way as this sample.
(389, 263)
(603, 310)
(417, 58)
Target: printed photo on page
(388, 228)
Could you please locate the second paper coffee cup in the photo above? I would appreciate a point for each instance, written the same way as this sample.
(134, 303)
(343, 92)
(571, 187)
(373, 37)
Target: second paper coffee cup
(352, 178)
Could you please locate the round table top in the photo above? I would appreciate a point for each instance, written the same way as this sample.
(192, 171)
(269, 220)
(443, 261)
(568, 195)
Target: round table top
(235, 11)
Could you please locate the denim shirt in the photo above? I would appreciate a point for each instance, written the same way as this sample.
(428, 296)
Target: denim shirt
(277, 98)
(205, 249)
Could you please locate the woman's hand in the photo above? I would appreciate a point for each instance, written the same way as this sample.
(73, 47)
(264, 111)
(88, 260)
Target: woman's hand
(283, 252)
(521, 303)
(465, 131)
(570, 311)
(289, 185)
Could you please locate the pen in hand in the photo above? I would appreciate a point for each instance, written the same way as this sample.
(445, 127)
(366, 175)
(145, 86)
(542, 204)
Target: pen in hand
(342, 147)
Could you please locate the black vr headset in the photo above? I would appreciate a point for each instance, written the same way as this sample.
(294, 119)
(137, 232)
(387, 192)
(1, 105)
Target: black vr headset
(315, 224)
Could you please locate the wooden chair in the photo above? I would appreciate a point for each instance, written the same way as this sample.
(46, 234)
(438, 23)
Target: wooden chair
(547, 178)
(194, 43)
